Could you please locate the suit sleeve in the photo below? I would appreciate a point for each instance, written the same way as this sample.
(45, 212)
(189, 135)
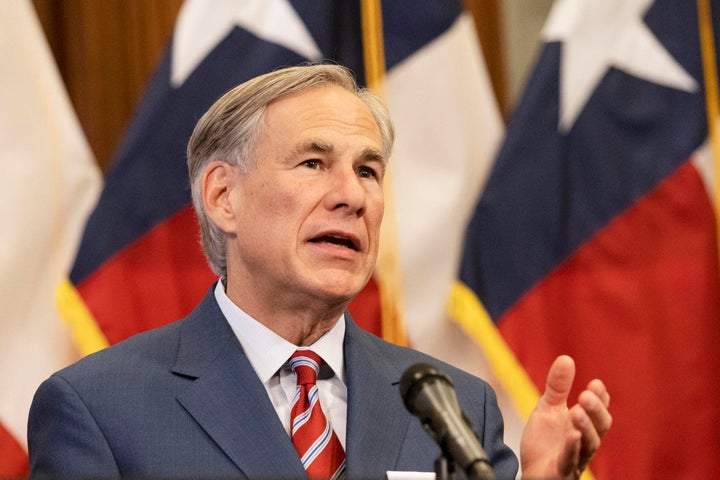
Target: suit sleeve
(479, 403)
(503, 460)
(64, 440)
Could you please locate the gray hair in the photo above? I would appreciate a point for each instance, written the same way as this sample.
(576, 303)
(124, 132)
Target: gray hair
(229, 129)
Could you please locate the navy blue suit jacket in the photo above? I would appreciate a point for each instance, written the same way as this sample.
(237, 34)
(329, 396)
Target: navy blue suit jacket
(184, 401)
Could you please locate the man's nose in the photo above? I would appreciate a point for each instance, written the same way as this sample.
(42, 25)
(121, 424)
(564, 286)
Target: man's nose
(346, 192)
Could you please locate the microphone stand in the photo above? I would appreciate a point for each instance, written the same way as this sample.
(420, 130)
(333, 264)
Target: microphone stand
(444, 468)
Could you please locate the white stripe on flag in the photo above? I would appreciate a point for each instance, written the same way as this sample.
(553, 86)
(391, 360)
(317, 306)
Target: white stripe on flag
(49, 183)
(448, 129)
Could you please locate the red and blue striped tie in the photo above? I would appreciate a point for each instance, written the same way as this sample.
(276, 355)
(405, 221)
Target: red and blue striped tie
(320, 451)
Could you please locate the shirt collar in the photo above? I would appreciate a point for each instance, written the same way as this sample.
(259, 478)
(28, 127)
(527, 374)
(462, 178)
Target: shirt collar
(267, 351)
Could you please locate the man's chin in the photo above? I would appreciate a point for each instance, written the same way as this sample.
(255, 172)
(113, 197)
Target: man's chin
(340, 293)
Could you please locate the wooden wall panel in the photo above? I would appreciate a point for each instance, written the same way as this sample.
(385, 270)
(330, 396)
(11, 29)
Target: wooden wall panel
(107, 49)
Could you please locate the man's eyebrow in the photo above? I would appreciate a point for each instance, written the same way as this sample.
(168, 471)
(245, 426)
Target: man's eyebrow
(309, 147)
(373, 155)
(316, 146)
(313, 146)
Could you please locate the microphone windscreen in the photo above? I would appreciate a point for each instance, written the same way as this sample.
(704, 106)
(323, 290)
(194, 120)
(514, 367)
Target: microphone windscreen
(415, 377)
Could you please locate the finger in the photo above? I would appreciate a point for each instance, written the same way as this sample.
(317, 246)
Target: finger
(589, 436)
(597, 411)
(559, 381)
(598, 388)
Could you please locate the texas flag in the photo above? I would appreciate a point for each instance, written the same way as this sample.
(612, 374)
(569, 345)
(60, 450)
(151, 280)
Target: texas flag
(48, 185)
(596, 233)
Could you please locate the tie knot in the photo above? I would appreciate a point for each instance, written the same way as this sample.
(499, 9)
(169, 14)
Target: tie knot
(306, 365)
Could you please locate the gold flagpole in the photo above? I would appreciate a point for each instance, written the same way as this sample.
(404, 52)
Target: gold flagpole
(707, 47)
(388, 267)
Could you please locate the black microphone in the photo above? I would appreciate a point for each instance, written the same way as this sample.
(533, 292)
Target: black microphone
(429, 395)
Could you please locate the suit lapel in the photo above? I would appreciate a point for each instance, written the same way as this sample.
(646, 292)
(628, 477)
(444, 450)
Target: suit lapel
(231, 405)
(377, 421)
(228, 400)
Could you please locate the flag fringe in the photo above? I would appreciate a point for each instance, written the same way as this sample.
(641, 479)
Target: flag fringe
(466, 309)
(85, 330)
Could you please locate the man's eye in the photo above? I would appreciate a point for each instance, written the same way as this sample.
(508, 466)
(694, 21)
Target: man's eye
(367, 172)
(311, 163)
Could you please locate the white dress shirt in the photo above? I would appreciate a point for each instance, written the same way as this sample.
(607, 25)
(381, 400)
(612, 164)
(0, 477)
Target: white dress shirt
(269, 353)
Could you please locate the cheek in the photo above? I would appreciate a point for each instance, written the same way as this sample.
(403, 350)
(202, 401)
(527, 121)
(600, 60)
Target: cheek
(279, 202)
(279, 211)
(375, 210)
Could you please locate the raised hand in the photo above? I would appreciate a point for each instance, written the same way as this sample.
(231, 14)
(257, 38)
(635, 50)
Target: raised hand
(559, 441)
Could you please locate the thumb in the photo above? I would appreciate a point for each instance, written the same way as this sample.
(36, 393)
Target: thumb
(559, 382)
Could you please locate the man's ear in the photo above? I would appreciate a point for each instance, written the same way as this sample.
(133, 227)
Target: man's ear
(216, 185)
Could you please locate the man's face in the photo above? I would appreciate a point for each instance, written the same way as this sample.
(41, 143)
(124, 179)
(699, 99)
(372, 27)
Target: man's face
(309, 214)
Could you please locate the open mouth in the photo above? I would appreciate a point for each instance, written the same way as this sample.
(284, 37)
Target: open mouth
(338, 240)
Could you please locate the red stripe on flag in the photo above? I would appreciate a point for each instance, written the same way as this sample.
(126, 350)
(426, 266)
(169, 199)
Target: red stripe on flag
(161, 277)
(639, 307)
(366, 310)
(152, 282)
(13, 459)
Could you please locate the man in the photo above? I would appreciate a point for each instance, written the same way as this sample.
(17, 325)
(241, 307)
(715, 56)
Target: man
(286, 173)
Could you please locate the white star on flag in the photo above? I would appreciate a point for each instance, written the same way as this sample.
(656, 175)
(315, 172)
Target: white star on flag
(599, 34)
(200, 29)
